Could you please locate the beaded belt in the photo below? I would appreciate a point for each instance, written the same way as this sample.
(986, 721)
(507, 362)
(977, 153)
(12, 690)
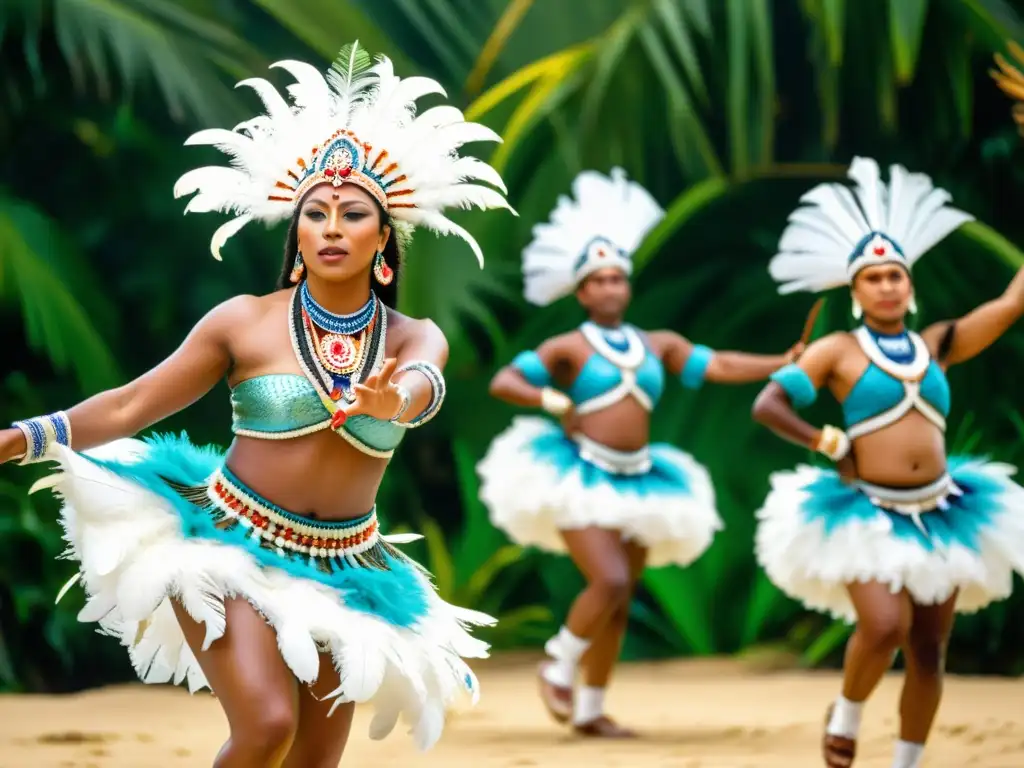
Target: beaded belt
(913, 501)
(610, 460)
(288, 532)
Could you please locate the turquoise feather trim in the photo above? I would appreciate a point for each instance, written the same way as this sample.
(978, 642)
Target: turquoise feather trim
(389, 587)
(665, 478)
(837, 503)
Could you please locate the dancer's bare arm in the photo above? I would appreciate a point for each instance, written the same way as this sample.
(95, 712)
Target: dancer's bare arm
(955, 341)
(525, 388)
(188, 374)
(725, 367)
(774, 408)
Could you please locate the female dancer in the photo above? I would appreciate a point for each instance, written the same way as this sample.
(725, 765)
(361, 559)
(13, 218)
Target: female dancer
(898, 538)
(594, 486)
(257, 570)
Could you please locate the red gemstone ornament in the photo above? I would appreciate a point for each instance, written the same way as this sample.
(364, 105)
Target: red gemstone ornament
(328, 172)
(345, 171)
(880, 250)
(338, 419)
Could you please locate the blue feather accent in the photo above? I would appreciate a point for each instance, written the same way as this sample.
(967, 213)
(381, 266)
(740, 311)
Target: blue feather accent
(665, 478)
(837, 504)
(397, 595)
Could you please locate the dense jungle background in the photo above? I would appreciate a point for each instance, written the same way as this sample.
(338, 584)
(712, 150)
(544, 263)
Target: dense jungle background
(727, 111)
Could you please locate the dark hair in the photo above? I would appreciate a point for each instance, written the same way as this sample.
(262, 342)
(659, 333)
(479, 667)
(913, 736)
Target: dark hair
(386, 293)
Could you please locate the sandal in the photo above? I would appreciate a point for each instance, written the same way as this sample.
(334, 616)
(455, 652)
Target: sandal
(838, 751)
(604, 728)
(556, 698)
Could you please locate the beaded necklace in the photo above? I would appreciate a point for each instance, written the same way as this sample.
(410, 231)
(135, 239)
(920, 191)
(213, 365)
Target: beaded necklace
(336, 351)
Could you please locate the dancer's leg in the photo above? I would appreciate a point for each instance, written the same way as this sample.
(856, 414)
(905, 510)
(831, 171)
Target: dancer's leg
(319, 740)
(883, 626)
(257, 691)
(600, 659)
(601, 557)
(924, 653)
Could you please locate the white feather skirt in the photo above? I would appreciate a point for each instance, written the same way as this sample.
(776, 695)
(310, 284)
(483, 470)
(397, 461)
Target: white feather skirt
(816, 534)
(537, 482)
(138, 544)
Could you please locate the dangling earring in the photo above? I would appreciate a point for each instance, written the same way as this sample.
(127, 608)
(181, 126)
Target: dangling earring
(381, 270)
(856, 309)
(298, 267)
(912, 306)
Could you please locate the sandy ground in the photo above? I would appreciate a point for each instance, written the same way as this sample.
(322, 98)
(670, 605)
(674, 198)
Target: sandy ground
(705, 714)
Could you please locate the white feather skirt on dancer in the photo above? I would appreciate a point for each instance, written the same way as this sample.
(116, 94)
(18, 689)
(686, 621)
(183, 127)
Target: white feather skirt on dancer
(161, 519)
(816, 534)
(537, 482)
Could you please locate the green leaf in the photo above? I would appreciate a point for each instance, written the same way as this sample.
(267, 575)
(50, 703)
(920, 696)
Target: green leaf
(441, 566)
(608, 58)
(994, 242)
(833, 13)
(485, 575)
(55, 322)
(826, 643)
(690, 141)
(324, 27)
(682, 210)
(181, 47)
(906, 29)
(678, 33)
(554, 67)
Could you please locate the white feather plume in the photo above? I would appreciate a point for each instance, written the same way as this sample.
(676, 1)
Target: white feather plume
(608, 207)
(815, 247)
(380, 108)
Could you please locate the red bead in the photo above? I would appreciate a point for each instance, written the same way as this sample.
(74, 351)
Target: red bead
(336, 393)
(386, 271)
(338, 419)
(332, 544)
(345, 171)
(287, 535)
(329, 172)
(879, 250)
(307, 540)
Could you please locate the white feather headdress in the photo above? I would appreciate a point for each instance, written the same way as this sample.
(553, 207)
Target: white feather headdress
(358, 125)
(842, 230)
(601, 227)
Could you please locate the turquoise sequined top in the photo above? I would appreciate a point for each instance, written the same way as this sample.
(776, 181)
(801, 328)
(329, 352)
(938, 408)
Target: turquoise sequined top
(278, 406)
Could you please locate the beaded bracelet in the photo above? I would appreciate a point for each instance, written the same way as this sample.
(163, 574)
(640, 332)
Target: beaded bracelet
(437, 386)
(41, 432)
(403, 393)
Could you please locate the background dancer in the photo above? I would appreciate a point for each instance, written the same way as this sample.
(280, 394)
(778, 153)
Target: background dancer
(593, 486)
(898, 537)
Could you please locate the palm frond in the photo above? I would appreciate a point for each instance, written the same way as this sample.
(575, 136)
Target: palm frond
(56, 323)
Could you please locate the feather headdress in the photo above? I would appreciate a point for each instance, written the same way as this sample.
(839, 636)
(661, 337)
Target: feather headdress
(842, 230)
(356, 125)
(601, 227)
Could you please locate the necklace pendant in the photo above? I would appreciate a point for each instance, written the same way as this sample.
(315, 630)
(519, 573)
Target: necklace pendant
(339, 353)
(336, 393)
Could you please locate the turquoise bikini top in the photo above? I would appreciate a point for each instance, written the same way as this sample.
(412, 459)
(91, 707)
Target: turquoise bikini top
(621, 366)
(278, 406)
(888, 390)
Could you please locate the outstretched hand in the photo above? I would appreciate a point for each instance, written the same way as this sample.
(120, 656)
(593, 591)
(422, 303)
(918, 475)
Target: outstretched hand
(378, 397)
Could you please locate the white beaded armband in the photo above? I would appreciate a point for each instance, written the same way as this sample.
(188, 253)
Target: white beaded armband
(403, 393)
(42, 432)
(438, 390)
(833, 443)
(554, 402)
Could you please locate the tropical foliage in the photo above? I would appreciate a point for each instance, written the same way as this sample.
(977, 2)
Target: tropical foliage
(727, 111)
